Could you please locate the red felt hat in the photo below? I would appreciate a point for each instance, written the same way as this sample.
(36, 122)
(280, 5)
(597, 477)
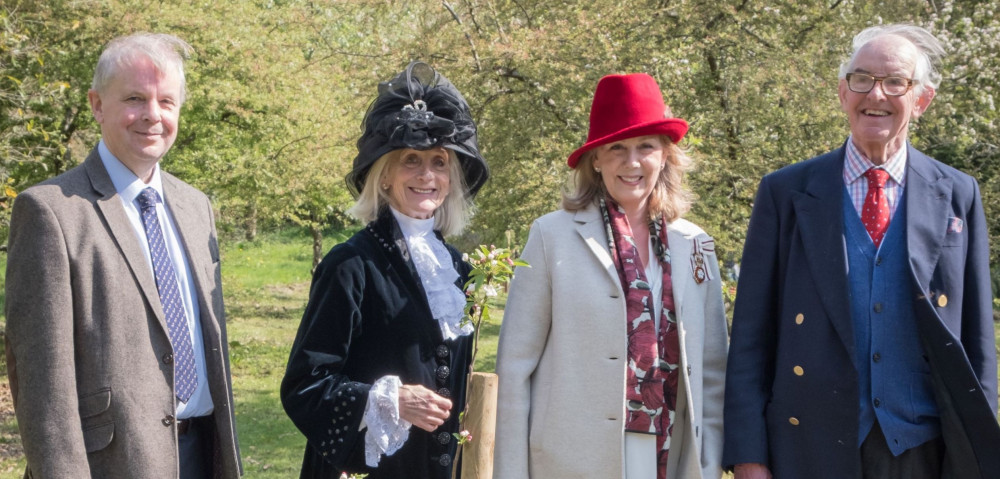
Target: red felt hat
(627, 106)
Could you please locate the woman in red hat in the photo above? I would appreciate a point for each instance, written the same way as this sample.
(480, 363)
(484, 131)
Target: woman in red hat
(612, 352)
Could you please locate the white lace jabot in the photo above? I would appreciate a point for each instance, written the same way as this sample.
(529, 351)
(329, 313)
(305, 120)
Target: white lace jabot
(437, 274)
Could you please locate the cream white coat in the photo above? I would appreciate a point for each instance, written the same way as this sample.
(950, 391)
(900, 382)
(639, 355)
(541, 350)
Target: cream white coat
(562, 356)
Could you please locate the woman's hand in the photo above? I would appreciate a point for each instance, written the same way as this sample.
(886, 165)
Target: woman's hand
(422, 407)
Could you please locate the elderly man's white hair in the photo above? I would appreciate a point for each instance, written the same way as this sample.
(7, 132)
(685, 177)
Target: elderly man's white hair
(163, 50)
(930, 52)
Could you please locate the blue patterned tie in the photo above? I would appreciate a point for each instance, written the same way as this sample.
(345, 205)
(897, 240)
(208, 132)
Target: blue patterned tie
(185, 375)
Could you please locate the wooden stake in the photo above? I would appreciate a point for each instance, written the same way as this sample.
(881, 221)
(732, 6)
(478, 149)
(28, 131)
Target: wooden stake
(481, 421)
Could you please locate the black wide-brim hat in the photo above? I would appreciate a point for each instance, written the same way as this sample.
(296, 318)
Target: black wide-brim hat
(419, 109)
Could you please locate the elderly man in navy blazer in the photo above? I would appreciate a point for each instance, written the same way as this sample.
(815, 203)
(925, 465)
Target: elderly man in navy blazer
(862, 342)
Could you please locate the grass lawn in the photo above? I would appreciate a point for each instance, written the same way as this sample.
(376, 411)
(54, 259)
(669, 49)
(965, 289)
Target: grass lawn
(266, 284)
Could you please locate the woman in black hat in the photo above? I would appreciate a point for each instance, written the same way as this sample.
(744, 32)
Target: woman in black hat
(382, 345)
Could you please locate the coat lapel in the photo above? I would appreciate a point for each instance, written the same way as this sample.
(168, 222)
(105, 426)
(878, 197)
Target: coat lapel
(680, 266)
(819, 217)
(592, 231)
(190, 227)
(928, 207)
(110, 206)
(387, 229)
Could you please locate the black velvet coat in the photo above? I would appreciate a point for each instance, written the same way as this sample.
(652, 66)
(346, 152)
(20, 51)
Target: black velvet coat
(368, 317)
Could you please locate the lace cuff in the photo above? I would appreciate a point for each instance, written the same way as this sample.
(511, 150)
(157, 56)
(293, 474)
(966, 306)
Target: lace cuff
(387, 432)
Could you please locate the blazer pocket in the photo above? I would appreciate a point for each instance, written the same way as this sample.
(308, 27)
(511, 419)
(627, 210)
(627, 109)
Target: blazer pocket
(953, 240)
(955, 235)
(95, 403)
(98, 437)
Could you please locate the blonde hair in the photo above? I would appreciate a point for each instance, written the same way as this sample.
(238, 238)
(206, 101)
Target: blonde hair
(450, 218)
(669, 197)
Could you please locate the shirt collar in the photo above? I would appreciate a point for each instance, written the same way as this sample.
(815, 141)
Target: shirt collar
(856, 164)
(411, 227)
(127, 184)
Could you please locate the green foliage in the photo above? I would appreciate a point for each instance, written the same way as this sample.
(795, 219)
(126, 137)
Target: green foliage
(278, 90)
(492, 271)
(43, 84)
(960, 128)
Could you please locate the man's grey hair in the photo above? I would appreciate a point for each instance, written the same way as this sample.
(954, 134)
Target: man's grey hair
(926, 73)
(163, 50)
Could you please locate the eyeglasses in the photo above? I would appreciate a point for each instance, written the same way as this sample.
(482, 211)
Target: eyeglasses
(891, 86)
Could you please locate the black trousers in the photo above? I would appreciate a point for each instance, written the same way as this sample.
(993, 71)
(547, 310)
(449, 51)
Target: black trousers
(921, 462)
(195, 444)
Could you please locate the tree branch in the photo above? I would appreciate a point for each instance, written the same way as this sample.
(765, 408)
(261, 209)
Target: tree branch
(525, 12)
(512, 73)
(286, 145)
(468, 38)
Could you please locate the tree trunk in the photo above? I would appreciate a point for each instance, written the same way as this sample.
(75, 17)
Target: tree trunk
(317, 235)
(251, 223)
(480, 421)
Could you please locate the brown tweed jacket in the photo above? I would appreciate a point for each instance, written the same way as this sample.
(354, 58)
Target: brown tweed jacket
(88, 353)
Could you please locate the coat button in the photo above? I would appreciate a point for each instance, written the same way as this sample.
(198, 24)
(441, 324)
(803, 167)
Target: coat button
(942, 300)
(442, 351)
(444, 460)
(878, 307)
(443, 372)
(443, 437)
(876, 357)
(793, 421)
(168, 358)
(798, 370)
(168, 420)
(877, 402)
(799, 318)
(444, 392)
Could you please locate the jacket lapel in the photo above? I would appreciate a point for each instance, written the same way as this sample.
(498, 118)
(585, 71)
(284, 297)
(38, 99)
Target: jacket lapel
(110, 206)
(184, 211)
(387, 229)
(592, 231)
(680, 248)
(928, 206)
(819, 217)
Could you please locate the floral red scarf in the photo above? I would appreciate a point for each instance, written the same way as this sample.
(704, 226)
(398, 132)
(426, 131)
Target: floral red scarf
(653, 356)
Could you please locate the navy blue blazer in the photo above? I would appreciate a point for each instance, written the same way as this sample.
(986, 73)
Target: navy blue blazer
(792, 311)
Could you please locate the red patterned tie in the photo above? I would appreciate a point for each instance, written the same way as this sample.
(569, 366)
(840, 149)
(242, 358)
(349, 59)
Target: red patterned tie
(875, 212)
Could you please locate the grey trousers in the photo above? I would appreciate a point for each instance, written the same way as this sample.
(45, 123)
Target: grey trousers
(921, 462)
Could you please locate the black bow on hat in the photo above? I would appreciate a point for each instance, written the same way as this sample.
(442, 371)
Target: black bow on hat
(418, 109)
